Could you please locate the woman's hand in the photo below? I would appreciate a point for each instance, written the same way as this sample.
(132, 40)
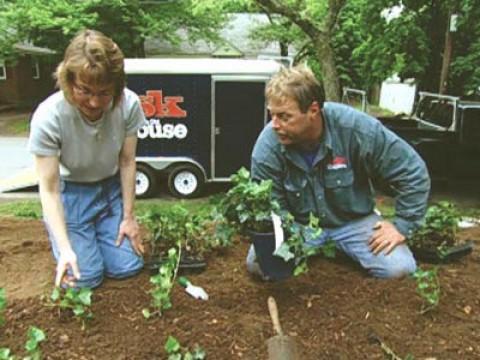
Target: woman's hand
(129, 228)
(67, 259)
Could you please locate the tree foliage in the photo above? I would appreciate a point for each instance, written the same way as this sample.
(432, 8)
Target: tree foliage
(465, 76)
(52, 23)
(348, 42)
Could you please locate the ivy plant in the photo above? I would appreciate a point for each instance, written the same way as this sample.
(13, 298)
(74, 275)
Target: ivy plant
(79, 301)
(175, 351)
(34, 337)
(428, 287)
(440, 228)
(195, 232)
(162, 284)
(6, 354)
(248, 206)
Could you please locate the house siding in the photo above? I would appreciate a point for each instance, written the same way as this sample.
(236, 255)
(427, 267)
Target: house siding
(20, 89)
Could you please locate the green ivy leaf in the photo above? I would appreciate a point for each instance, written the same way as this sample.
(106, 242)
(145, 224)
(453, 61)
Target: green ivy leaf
(172, 345)
(284, 252)
(146, 313)
(85, 296)
(55, 294)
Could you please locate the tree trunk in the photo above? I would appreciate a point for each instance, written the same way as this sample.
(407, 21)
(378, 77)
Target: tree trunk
(447, 56)
(326, 57)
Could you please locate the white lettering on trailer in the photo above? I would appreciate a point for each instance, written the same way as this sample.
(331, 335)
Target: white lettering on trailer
(154, 129)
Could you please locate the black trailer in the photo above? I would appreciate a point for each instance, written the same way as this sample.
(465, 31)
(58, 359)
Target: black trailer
(202, 119)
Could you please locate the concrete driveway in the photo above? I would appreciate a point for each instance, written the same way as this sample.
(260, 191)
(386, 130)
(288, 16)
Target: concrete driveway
(16, 164)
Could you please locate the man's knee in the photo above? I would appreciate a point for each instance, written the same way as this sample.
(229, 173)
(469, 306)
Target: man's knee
(395, 266)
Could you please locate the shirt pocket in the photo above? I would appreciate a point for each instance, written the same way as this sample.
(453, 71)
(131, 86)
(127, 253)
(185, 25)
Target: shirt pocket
(295, 193)
(339, 188)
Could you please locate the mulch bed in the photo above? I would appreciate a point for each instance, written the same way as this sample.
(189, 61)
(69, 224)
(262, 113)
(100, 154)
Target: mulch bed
(335, 311)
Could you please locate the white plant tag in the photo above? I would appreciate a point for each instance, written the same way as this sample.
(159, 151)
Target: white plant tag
(278, 230)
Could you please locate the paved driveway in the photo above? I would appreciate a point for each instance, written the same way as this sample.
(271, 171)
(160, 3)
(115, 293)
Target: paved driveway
(15, 159)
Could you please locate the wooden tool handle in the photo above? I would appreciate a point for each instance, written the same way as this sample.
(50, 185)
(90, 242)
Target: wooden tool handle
(273, 310)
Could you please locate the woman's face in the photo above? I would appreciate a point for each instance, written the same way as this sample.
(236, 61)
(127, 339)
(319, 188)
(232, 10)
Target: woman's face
(92, 100)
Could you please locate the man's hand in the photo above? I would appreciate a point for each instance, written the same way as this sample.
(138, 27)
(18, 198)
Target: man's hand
(67, 259)
(385, 237)
(129, 228)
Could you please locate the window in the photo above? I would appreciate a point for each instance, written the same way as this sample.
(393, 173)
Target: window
(438, 112)
(35, 68)
(3, 70)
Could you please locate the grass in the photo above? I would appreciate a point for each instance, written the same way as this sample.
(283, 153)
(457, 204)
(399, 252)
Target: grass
(31, 209)
(26, 209)
(19, 127)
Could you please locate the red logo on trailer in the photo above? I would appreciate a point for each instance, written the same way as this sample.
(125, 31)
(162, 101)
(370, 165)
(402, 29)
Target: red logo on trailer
(154, 104)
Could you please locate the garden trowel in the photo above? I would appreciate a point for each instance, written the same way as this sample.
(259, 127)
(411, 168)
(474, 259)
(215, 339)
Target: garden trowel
(280, 346)
(195, 291)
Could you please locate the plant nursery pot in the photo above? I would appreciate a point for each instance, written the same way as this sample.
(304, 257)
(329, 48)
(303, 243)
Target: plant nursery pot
(188, 264)
(274, 267)
(453, 253)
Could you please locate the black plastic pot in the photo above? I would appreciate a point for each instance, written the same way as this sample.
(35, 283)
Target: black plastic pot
(274, 267)
(188, 264)
(452, 254)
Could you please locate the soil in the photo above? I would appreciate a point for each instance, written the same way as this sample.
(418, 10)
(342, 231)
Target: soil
(335, 311)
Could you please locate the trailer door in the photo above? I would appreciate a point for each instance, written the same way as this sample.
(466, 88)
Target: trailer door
(239, 114)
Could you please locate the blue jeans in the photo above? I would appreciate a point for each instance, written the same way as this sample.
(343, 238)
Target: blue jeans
(352, 239)
(93, 213)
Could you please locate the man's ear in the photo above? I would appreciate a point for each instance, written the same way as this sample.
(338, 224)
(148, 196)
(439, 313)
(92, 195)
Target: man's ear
(314, 108)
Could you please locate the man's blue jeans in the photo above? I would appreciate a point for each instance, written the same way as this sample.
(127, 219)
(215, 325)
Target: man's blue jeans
(352, 239)
(93, 213)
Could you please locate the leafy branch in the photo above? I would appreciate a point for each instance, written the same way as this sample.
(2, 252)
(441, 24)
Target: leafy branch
(163, 283)
(428, 287)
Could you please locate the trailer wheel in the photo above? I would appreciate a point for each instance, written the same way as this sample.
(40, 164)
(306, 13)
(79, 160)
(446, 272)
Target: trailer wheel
(185, 181)
(145, 182)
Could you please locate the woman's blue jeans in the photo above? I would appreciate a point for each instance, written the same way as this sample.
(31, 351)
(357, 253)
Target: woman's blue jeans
(93, 213)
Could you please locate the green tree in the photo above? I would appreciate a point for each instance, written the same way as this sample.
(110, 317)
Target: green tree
(318, 20)
(398, 46)
(52, 23)
(465, 74)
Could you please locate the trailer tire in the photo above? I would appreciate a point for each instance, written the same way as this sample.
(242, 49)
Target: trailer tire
(145, 181)
(185, 181)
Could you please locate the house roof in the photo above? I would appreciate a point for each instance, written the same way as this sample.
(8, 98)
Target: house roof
(236, 37)
(251, 67)
(27, 48)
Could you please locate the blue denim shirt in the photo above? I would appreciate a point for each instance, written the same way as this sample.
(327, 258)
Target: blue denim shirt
(355, 151)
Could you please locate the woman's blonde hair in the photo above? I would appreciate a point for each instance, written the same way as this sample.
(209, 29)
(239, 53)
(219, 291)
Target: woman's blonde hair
(94, 59)
(297, 83)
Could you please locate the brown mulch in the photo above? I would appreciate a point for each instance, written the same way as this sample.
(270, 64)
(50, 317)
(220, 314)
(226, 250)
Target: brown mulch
(334, 311)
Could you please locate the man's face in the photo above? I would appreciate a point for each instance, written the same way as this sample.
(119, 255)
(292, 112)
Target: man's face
(92, 100)
(291, 125)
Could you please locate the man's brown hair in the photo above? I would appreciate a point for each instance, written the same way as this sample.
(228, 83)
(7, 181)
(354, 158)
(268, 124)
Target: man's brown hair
(297, 83)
